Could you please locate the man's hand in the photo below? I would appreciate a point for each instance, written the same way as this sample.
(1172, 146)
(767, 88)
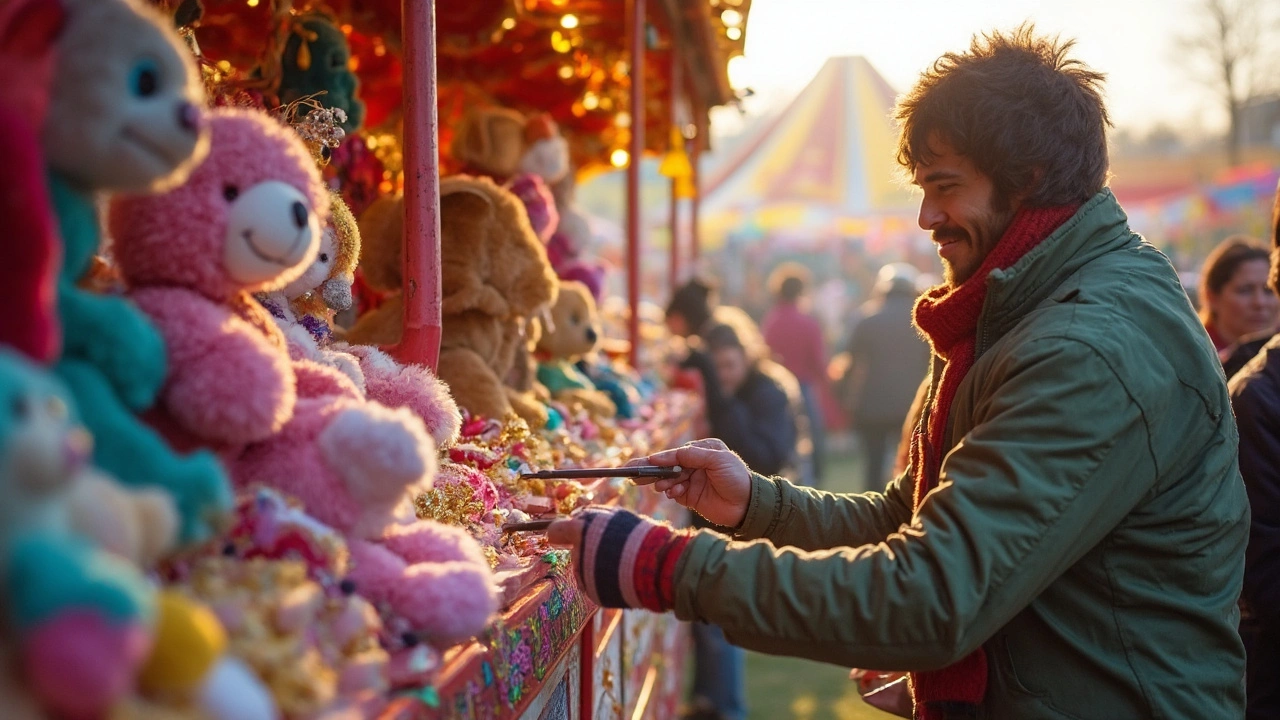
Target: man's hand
(715, 483)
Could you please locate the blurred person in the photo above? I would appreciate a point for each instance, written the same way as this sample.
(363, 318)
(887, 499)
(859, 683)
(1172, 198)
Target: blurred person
(888, 360)
(753, 405)
(1234, 298)
(1255, 397)
(689, 310)
(1069, 539)
(796, 338)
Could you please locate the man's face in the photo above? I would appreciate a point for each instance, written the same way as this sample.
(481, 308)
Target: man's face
(959, 209)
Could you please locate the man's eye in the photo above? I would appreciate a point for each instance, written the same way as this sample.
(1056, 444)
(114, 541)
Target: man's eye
(947, 187)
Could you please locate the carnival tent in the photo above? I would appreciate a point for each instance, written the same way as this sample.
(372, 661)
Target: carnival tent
(823, 167)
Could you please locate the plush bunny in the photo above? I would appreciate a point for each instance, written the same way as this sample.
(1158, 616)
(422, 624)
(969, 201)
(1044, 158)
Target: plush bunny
(124, 116)
(248, 221)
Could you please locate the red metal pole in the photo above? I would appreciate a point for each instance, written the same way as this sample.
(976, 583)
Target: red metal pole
(420, 342)
(633, 176)
(696, 203)
(677, 80)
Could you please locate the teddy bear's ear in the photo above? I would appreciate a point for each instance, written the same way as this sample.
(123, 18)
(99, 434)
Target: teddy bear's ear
(381, 231)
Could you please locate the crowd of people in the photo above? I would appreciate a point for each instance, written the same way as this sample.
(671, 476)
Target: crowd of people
(1083, 518)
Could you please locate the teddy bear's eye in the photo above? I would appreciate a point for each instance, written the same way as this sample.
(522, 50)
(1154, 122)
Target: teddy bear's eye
(21, 407)
(324, 257)
(145, 78)
(326, 153)
(56, 408)
(230, 192)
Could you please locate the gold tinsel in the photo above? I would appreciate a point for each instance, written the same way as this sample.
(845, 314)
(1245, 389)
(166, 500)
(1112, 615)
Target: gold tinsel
(451, 504)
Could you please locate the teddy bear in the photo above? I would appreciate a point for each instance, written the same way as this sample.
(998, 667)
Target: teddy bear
(574, 334)
(494, 278)
(247, 220)
(526, 155)
(78, 618)
(124, 116)
(379, 377)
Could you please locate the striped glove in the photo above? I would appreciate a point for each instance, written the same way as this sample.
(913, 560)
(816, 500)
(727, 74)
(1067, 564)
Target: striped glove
(627, 560)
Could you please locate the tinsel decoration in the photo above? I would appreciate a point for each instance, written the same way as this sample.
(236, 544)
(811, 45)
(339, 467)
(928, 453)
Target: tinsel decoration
(319, 127)
(452, 504)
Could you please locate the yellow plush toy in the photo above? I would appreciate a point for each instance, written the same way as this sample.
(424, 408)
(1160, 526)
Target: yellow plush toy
(575, 332)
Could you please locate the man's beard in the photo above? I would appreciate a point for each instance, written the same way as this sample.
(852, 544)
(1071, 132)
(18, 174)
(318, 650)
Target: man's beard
(989, 230)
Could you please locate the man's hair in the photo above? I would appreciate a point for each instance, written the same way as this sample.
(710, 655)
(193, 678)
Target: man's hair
(1274, 280)
(1025, 114)
(1221, 265)
(789, 280)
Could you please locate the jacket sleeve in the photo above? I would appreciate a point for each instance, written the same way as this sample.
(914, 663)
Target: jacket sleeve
(1256, 402)
(808, 519)
(1022, 497)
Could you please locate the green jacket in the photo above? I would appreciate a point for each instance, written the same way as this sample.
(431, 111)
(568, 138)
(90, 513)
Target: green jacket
(1088, 529)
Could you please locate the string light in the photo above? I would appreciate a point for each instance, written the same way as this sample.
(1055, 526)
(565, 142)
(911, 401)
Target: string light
(565, 72)
(734, 33)
(590, 101)
(509, 23)
(731, 18)
(569, 22)
(619, 158)
(253, 3)
(623, 120)
(560, 43)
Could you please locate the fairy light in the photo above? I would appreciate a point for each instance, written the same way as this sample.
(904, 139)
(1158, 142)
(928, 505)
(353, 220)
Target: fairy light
(623, 120)
(619, 158)
(560, 43)
(509, 23)
(731, 18)
(734, 33)
(590, 101)
(569, 22)
(565, 72)
(253, 3)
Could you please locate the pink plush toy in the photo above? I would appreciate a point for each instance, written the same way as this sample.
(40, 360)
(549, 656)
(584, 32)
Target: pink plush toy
(247, 221)
(377, 375)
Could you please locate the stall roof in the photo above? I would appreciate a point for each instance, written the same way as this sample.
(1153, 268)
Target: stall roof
(568, 58)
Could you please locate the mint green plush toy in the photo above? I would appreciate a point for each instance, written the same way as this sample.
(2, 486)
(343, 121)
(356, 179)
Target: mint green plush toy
(125, 116)
(79, 618)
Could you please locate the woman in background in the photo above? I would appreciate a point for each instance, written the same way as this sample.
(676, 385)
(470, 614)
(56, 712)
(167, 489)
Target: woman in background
(1235, 301)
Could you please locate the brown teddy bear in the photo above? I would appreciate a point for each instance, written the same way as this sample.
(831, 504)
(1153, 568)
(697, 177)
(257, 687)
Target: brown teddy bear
(575, 331)
(494, 278)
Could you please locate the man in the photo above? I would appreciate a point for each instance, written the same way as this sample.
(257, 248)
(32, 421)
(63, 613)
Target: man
(887, 362)
(1255, 397)
(795, 338)
(1069, 539)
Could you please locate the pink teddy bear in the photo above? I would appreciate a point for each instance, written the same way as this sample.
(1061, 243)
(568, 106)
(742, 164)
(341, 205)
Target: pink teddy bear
(248, 220)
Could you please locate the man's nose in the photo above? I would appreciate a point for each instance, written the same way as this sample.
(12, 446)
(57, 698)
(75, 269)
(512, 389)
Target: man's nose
(931, 216)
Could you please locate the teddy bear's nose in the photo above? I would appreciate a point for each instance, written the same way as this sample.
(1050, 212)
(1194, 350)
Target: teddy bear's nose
(299, 215)
(189, 117)
(591, 334)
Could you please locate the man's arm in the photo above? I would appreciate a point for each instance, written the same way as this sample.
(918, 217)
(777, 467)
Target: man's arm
(1258, 416)
(808, 519)
(1022, 497)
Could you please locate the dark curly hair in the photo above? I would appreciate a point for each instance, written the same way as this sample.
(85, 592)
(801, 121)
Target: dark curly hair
(1028, 116)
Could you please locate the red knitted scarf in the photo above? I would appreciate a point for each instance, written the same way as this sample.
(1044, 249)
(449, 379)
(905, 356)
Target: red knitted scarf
(949, 318)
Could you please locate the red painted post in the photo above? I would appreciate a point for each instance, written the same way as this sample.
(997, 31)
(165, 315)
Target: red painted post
(420, 342)
(677, 89)
(633, 176)
(696, 203)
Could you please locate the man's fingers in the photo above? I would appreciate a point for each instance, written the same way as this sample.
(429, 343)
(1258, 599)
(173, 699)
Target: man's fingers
(635, 461)
(565, 533)
(709, 443)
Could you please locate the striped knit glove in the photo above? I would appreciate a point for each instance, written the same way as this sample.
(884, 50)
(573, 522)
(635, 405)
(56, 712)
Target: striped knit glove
(627, 560)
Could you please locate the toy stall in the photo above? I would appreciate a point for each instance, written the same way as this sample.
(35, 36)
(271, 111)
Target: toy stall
(302, 306)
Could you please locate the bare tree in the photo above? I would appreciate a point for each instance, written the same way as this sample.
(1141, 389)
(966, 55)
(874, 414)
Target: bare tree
(1233, 46)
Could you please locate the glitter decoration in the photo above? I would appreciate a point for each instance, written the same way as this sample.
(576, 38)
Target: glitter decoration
(452, 504)
(319, 127)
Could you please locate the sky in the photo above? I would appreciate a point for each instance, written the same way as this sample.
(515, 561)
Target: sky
(1132, 41)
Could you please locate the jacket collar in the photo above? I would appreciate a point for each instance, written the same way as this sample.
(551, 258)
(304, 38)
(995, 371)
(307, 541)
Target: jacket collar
(1098, 227)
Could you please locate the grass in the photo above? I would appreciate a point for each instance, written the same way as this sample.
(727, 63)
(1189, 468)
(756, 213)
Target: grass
(781, 688)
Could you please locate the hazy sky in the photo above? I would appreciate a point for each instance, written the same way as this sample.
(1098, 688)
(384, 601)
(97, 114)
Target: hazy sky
(1130, 40)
